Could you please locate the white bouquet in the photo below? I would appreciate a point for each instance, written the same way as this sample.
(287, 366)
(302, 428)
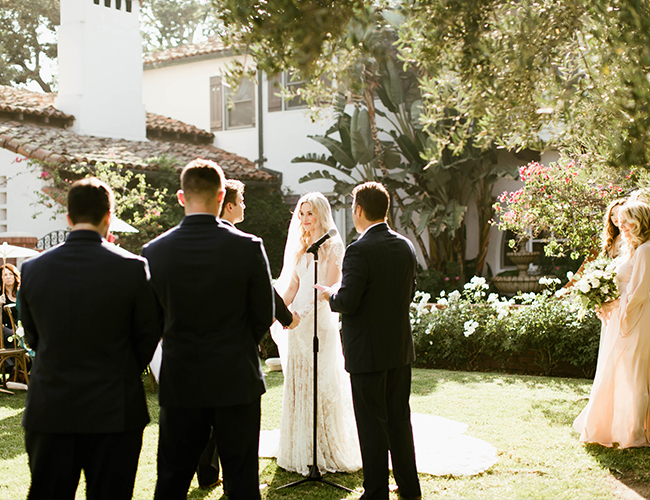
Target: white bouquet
(596, 285)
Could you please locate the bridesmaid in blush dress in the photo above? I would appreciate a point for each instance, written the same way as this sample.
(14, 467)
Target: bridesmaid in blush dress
(618, 412)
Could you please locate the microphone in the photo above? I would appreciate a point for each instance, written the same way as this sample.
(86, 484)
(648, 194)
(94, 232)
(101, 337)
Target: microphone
(315, 246)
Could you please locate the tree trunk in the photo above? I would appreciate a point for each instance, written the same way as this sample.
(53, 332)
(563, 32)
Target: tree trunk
(370, 105)
(484, 206)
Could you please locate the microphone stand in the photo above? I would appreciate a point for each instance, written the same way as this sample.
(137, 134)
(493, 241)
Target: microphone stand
(314, 473)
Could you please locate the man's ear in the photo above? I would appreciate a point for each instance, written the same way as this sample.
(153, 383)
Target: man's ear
(221, 195)
(180, 196)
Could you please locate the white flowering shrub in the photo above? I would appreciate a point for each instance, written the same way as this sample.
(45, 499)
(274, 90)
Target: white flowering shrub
(458, 328)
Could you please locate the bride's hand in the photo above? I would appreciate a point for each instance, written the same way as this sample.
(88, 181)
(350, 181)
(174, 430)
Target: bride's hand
(295, 322)
(605, 311)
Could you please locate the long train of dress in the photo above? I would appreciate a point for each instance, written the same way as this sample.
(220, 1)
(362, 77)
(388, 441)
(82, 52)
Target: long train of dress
(441, 447)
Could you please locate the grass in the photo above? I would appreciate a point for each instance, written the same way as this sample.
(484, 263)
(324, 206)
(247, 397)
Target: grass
(528, 420)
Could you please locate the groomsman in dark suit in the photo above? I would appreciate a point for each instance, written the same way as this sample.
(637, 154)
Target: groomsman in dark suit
(374, 297)
(215, 288)
(91, 315)
(232, 212)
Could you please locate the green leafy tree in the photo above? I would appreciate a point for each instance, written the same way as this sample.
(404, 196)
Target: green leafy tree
(27, 41)
(146, 202)
(566, 74)
(169, 23)
(285, 34)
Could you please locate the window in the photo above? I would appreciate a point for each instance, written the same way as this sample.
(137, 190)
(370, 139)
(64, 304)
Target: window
(276, 84)
(237, 107)
(240, 106)
(216, 104)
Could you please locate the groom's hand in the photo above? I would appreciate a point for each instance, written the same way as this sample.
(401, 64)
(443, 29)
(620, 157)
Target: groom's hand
(325, 291)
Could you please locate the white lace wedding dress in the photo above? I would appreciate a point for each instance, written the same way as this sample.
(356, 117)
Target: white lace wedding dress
(338, 444)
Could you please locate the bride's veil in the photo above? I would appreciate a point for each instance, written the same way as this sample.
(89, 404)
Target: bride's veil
(291, 249)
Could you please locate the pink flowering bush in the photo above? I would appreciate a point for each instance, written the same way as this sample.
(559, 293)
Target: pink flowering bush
(564, 200)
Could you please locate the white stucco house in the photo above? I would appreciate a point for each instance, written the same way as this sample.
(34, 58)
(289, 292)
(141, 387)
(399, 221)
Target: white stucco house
(187, 83)
(98, 115)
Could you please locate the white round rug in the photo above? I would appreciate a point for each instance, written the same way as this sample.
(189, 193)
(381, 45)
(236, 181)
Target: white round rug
(441, 447)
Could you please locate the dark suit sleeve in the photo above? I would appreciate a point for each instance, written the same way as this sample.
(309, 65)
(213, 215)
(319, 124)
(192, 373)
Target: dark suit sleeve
(353, 283)
(260, 294)
(147, 320)
(282, 313)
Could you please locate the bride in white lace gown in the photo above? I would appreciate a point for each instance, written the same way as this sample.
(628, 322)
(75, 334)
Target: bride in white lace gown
(338, 444)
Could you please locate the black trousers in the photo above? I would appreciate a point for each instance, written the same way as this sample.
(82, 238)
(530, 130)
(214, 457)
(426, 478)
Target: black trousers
(383, 415)
(109, 462)
(207, 472)
(184, 434)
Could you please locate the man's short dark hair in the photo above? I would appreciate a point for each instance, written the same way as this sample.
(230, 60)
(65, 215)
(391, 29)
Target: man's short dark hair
(89, 200)
(202, 178)
(373, 198)
(233, 186)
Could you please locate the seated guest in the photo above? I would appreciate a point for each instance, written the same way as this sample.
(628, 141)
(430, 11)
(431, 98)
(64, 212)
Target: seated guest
(10, 286)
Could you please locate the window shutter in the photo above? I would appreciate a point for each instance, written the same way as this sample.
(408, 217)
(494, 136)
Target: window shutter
(216, 104)
(275, 101)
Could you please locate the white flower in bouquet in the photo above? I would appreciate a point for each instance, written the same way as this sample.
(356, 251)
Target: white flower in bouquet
(596, 285)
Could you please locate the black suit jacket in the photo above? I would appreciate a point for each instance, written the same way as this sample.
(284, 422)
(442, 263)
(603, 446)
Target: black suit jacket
(282, 313)
(91, 315)
(214, 284)
(376, 291)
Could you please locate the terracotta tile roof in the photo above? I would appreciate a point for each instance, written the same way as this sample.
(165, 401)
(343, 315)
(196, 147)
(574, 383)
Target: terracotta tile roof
(210, 46)
(63, 146)
(171, 128)
(21, 101)
(18, 103)
(60, 145)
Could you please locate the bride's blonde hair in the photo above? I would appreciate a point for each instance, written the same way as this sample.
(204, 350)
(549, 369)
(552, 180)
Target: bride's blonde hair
(637, 214)
(322, 210)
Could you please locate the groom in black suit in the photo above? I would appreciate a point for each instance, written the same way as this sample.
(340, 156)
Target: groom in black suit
(92, 317)
(214, 284)
(374, 297)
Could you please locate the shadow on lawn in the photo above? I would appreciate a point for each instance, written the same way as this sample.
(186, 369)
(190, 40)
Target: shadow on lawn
(630, 466)
(559, 411)
(426, 381)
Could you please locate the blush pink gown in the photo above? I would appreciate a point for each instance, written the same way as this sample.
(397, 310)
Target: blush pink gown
(618, 409)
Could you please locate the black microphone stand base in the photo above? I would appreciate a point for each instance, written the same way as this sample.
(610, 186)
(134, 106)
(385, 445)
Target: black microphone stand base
(314, 475)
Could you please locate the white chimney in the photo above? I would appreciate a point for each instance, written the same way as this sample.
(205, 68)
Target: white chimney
(100, 68)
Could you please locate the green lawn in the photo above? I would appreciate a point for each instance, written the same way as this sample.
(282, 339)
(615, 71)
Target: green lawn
(528, 420)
